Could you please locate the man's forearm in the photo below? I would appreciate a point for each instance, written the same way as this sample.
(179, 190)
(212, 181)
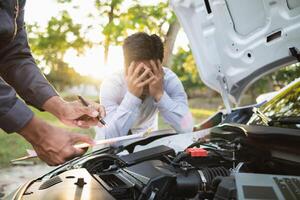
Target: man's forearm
(19, 69)
(176, 113)
(121, 119)
(14, 114)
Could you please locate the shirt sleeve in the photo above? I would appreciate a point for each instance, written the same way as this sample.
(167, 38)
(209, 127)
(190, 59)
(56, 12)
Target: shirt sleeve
(18, 69)
(14, 114)
(173, 105)
(120, 114)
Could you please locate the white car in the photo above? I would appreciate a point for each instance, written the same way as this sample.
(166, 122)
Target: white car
(239, 153)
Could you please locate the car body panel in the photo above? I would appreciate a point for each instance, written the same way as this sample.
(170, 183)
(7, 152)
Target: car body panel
(235, 42)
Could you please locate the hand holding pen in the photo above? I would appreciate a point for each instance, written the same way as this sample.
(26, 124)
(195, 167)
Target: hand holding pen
(85, 103)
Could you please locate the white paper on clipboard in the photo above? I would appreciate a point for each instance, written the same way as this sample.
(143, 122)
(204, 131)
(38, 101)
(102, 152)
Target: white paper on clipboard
(33, 154)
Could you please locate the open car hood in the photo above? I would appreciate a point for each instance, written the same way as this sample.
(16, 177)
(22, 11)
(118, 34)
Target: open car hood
(235, 42)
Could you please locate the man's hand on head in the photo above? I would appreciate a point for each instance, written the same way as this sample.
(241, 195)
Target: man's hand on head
(138, 76)
(75, 113)
(156, 89)
(52, 144)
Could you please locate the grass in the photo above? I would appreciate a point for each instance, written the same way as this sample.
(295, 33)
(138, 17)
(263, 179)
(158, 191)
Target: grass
(201, 113)
(13, 145)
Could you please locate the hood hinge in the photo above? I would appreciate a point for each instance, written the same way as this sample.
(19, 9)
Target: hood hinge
(224, 92)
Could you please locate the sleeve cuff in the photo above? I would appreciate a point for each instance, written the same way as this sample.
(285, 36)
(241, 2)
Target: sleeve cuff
(16, 118)
(130, 101)
(165, 102)
(44, 94)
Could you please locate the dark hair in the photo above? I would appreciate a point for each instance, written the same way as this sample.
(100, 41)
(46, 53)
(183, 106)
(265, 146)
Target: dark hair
(141, 46)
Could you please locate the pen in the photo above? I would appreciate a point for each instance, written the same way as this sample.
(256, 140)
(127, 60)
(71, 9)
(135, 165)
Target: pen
(85, 103)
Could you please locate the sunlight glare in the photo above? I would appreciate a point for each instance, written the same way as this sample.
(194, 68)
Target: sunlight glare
(92, 62)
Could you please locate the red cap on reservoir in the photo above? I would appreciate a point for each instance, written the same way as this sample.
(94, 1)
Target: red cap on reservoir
(197, 152)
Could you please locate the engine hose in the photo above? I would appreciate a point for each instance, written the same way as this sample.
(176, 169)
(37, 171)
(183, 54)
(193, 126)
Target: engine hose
(190, 183)
(211, 173)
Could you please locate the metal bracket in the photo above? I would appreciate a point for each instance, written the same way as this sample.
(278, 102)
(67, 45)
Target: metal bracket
(224, 92)
(295, 53)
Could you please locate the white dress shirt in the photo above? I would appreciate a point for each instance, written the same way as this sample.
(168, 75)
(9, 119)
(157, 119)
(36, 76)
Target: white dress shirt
(125, 112)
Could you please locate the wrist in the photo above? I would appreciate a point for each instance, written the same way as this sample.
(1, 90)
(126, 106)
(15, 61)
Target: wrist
(34, 130)
(134, 93)
(158, 96)
(55, 105)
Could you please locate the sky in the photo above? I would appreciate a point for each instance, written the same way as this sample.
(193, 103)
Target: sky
(91, 63)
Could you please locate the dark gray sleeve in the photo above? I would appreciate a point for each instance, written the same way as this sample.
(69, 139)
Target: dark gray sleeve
(14, 114)
(19, 70)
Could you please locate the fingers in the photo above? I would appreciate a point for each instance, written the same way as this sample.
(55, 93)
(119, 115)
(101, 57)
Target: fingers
(154, 67)
(129, 70)
(138, 69)
(146, 82)
(69, 153)
(102, 111)
(90, 118)
(160, 66)
(78, 138)
(84, 124)
(57, 145)
(79, 151)
(87, 123)
(75, 138)
(144, 75)
(90, 111)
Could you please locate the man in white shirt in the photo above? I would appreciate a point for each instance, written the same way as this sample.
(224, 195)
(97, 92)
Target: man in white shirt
(134, 96)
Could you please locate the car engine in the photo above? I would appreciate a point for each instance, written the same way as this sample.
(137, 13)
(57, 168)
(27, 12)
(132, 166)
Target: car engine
(207, 169)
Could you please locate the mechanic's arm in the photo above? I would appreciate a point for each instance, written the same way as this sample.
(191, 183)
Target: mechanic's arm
(171, 100)
(14, 114)
(19, 70)
(53, 145)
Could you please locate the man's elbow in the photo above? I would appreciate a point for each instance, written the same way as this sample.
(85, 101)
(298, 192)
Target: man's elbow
(186, 123)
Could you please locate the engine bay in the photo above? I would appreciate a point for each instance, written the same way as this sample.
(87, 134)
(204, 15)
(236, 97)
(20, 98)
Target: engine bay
(209, 168)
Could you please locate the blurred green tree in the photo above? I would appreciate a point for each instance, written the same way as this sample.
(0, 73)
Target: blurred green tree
(185, 67)
(50, 46)
(271, 82)
(285, 75)
(122, 22)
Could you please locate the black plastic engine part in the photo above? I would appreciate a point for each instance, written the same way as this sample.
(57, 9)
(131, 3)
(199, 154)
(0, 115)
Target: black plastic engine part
(218, 132)
(117, 185)
(158, 178)
(226, 189)
(148, 154)
(188, 184)
(164, 178)
(148, 170)
(226, 132)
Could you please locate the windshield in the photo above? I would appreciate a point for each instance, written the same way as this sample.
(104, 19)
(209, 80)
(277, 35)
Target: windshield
(283, 110)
